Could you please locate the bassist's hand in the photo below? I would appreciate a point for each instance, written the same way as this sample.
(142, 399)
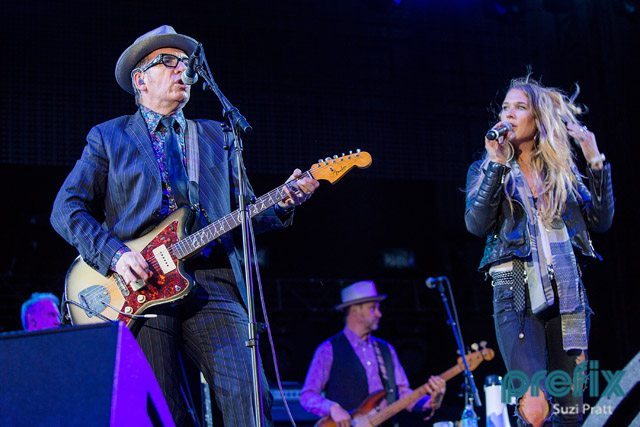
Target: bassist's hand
(132, 266)
(340, 416)
(436, 388)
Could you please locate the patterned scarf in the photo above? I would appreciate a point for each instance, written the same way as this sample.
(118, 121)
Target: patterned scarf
(552, 258)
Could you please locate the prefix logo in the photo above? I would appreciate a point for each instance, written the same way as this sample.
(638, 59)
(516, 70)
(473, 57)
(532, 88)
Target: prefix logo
(559, 383)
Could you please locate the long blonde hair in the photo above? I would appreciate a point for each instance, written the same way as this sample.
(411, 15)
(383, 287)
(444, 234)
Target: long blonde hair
(552, 157)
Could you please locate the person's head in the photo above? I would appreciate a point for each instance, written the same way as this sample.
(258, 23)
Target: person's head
(361, 303)
(539, 115)
(40, 311)
(364, 317)
(152, 66)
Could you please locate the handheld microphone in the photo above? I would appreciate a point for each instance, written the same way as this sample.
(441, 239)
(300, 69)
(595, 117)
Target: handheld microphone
(497, 131)
(432, 282)
(190, 75)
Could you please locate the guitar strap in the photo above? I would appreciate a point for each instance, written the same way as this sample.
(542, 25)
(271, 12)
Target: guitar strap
(229, 144)
(193, 168)
(386, 370)
(193, 162)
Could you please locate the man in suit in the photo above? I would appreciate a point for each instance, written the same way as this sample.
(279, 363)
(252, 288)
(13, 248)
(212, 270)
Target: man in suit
(353, 364)
(131, 175)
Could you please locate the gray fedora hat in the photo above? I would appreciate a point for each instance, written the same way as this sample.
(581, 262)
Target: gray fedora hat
(164, 36)
(358, 293)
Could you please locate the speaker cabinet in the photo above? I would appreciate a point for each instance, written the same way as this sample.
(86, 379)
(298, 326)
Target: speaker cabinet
(91, 375)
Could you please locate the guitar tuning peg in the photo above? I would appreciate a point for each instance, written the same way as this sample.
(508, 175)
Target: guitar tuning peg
(458, 352)
(319, 160)
(483, 344)
(342, 155)
(474, 346)
(358, 150)
(350, 152)
(327, 159)
(335, 156)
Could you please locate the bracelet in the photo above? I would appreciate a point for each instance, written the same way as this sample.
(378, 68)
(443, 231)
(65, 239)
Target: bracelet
(598, 159)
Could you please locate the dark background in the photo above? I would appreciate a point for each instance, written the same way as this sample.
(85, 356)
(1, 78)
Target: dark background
(413, 82)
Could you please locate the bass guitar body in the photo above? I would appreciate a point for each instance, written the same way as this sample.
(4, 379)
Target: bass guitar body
(360, 416)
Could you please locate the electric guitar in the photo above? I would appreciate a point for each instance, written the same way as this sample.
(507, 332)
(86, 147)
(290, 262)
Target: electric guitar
(93, 298)
(370, 414)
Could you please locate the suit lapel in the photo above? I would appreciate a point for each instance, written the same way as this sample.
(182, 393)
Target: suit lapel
(137, 130)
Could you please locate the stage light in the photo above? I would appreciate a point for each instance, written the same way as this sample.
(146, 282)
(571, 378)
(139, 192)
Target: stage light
(398, 258)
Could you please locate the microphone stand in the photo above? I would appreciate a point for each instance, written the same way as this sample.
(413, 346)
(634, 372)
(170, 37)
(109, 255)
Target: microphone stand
(240, 125)
(470, 385)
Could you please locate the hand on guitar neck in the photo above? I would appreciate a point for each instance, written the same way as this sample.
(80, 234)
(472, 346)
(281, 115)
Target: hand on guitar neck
(435, 387)
(300, 191)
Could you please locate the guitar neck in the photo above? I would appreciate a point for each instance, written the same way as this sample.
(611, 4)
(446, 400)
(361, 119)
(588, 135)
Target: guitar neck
(198, 240)
(401, 404)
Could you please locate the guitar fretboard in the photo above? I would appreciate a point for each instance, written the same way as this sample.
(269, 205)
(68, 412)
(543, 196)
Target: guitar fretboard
(400, 404)
(196, 241)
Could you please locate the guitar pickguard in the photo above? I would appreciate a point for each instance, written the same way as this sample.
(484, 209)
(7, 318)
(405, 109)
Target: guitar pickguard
(166, 283)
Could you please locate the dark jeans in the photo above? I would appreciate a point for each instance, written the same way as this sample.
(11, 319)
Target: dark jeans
(209, 327)
(539, 349)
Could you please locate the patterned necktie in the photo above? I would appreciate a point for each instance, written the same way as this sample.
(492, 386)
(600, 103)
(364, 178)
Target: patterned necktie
(175, 166)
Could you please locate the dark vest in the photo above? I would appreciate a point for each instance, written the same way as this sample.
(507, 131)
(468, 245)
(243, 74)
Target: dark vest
(347, 384)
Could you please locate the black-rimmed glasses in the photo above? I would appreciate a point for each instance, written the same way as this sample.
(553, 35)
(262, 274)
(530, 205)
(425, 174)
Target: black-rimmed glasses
(166, 59)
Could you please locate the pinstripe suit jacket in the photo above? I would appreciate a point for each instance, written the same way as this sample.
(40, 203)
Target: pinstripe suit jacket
(114, 192)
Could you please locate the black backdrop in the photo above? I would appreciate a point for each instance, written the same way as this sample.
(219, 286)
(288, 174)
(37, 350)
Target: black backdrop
(413, 82)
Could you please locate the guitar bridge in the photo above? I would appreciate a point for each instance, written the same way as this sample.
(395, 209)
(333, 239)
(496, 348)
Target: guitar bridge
(122, 286)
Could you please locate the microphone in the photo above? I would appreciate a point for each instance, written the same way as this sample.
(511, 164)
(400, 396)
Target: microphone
(432, 282)
(190, 75)
(497, 131)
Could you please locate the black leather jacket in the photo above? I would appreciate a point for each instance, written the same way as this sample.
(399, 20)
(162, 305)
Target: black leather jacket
(488, 214)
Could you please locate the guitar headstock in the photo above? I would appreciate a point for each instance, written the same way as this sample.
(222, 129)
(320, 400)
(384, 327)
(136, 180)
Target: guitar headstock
(475, 358)
(333, 168)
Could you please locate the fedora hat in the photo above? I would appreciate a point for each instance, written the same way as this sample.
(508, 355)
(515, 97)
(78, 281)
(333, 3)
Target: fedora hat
(358, 293)
(164, 36)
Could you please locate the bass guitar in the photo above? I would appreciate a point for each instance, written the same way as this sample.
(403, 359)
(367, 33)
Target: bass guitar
(371, 414)
(93, 298)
